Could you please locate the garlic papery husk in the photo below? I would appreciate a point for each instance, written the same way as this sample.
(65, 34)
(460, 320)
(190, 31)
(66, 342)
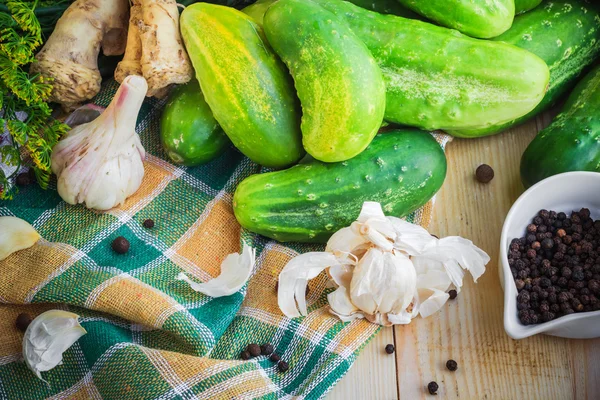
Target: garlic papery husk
(100, 163)
(386, 270)
(15, 234)
(235, 272)
(48, 337)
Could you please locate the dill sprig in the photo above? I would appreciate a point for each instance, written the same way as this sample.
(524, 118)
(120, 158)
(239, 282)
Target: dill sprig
(34, 137)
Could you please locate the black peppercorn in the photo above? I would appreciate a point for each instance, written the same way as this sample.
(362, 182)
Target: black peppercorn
(452, 293)
(531, 228)
(282, 366)
(594, 286)
(389, 349)
(451, 365)
(266, 349)
(577, 276)
(23, 321)
(432, 387)
(253, 349)
(275, 357)
(484, 173)
(148, 224)
(547, 316)
(547, 244)
(245, 355)
(23, 179)
(120, 245)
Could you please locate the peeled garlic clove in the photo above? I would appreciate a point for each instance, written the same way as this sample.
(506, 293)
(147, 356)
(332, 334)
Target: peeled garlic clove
(433, 303)
(48, 337)
(235, 272)
(15, 234)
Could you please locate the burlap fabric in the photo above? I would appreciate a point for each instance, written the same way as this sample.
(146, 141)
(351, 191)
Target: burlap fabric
(150, 336)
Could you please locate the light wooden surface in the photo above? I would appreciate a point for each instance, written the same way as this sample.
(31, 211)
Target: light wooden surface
(470, 328)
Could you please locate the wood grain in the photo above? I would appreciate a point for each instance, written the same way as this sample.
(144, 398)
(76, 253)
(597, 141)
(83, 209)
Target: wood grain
(470, 329)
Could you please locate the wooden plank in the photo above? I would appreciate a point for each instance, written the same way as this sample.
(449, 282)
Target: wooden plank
(470, 329)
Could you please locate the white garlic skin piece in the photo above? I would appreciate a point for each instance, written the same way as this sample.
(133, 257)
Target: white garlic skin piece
(15, 234)
(100, 163)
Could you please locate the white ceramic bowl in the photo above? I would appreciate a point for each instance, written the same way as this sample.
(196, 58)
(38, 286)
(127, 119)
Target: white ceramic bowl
(565, 192)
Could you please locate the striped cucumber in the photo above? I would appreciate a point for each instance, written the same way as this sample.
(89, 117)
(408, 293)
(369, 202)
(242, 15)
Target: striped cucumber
(563, 33)
(572, 141)
(246, 86)
(448, 81)
(339, 84)
(400, 169)
(522, 6)
(477, 18)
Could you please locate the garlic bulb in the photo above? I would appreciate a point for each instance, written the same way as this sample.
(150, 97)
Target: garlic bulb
(48, 337)
(15, 235)
(386, 270)
(100, 163)
(235, 272)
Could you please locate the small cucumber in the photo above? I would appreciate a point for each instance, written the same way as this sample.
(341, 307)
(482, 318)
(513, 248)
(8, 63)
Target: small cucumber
(340, 86)
(522, 6)
(401, 169)
(477, 18)
(189, 132)
(572, 141)
(437, 78)
(246, 86)
(563, 33)
(257, 10)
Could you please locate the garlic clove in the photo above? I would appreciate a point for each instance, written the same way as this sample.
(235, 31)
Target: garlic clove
(410, 238)
(15, 234)
(345, 240)
(433, 276)
(48, 337)
(235, 272)
(341, 305)
(433, 303)
(342, 274)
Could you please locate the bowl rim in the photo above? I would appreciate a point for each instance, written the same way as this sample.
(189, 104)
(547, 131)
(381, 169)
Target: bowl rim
(513, 327)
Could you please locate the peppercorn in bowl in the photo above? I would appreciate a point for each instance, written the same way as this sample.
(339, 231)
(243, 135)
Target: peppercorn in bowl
(550, 259)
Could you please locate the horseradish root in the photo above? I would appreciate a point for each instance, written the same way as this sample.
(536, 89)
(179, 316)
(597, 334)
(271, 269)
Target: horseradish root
(70, 56)
(131, 63)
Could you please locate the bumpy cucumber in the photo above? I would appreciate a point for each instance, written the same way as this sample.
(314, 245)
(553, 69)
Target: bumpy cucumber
(572, 141)
(257, 10)
(189, 132)
(522, 6)
(247, 87)
(401, 169)
(437, 78)
(338, 82)
(477, 18)
(563, 33)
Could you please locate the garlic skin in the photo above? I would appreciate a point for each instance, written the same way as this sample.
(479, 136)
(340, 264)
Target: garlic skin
(15, 234)
(48, 337)
(100, 163)
(386, 270)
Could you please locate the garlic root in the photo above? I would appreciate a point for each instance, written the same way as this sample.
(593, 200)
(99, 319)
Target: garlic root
(70, 56)
(100, 163)
(131, 63)
(15, 234)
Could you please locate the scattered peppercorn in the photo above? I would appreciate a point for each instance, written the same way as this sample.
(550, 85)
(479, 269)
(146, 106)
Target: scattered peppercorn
(266, 349)
(149, 224)
(23, 321)
(432, 387)
(453, 293)
(23, 179)
(282, 366)
(451, 365)
(389, 349)
(120, 245)
(253, 349)
(245, 355)
(484, 173)
(275, 357)
(556, 266)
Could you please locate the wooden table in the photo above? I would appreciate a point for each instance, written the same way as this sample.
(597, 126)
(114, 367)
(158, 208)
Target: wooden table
(470, 329)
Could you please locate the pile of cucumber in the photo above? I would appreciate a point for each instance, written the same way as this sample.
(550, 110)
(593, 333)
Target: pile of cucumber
(303, 87)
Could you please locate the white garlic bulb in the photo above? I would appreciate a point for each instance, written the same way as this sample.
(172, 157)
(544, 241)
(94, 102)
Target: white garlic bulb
(100, 163)
(15, 234)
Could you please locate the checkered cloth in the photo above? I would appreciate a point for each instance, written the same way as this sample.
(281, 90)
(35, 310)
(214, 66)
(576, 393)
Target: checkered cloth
(149, 335)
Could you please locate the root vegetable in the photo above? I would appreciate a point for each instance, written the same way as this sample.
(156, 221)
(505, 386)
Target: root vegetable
(70, 56)
(131, 63)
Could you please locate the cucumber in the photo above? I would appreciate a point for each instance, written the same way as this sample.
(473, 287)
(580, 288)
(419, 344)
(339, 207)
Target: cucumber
(257, 10)
(339, 84)
(401, 169)
(522, 6)
(477, 18)
(448, 81)
(246, 86)
(572, 141)
(189, 132)
(566, 35)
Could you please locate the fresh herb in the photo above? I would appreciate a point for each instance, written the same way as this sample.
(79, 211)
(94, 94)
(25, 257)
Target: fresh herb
(33, 137)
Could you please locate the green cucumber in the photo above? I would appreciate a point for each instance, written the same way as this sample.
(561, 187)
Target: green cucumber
(245, 84)
(340, 86)
(448, 81)
(563, 33)
(477, 18)
(522, 6)
(189, 132)
(257, 10)
(572, 141)
(401, 169)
